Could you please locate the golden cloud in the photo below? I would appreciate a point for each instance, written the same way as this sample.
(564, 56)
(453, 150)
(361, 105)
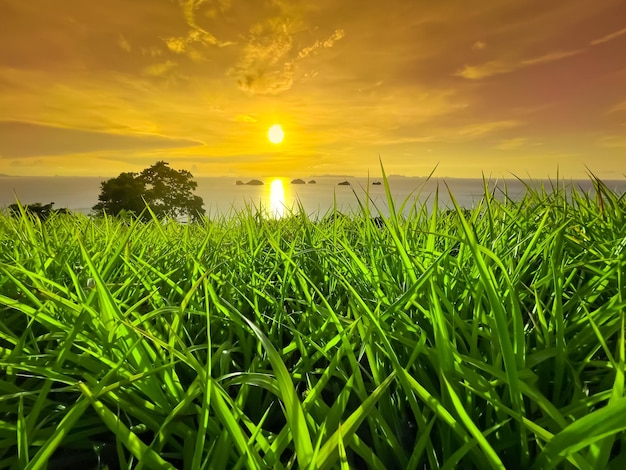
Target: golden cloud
(124, 44)
(479, 46)
(244, 118)
(511, 144)
(484, 128)
(608, 37)
(160, 70)
(618, 107)
(612, 141)
(497, 67)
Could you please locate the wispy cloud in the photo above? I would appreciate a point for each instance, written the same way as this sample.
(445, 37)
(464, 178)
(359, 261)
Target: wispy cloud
(160, 69)
(497, 67)
(197, 34)
(479, 46)
(245, 118)
(612, 141)
(124, 44)
(27, 139)
(327, 43)
(181, 44)
(618, 107)
(551, 57)
(484, 128)
(488, 69)
(511, 144)
(501, 66)
(608, 37)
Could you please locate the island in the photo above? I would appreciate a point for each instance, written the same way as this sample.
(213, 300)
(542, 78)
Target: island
(254, 183)
(312, 182)
(376, 183)
(298, 181)
(344, 183)
(239, 183)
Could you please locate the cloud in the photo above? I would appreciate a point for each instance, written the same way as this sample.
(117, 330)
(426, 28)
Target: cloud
(261, 81)
(479, 46)
(244, 118)
(181, 44)
(336, 36)
(612, 141)
(198, 34)
(497, 67)
(481, 129)
(608, 37)
(476, 72)
(27, 163)
(551, 57)
(511, 144)
(189, 9)
(327, 44)
(160, 70)
(151, 52)
(618, 107)
(176, 44)
(217, 7)
(266, 66)
(269, 58)
(124, 44)
(27, 139)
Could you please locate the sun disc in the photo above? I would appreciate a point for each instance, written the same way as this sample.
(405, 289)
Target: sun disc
(276, 134)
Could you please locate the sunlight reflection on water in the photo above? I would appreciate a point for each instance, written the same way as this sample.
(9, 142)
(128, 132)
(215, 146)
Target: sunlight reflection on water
(277, 198)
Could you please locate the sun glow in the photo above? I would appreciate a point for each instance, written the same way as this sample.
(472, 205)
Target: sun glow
(276, 134)
(277, 198)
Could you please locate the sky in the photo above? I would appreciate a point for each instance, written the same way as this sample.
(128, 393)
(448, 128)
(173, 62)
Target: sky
(530, 88)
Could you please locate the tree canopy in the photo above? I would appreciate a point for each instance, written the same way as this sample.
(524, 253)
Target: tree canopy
(168, 192)
(37, 209)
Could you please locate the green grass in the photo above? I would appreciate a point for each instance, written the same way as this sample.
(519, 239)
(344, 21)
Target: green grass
(490, 338)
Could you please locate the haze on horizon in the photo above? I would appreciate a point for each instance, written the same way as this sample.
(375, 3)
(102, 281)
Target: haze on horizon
(508, 87)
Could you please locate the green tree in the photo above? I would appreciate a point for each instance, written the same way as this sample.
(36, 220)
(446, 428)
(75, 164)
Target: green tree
(124, 193)
(168, 192)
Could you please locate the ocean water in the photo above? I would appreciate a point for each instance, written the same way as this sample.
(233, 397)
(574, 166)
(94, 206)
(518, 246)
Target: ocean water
(278, 196)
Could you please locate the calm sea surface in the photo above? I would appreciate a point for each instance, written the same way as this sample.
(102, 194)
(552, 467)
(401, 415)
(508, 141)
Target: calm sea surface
(221, 196)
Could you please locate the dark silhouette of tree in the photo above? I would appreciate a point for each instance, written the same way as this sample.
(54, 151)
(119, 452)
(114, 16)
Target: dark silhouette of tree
(37, 209)
(168, 192)
(124, 193)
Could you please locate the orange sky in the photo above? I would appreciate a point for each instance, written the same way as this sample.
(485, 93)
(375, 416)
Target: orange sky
(501, 87)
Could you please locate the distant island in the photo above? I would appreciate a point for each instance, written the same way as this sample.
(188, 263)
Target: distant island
(376, 183)
(298, 181)
(344, 183)
(249, 183)
(312, 182)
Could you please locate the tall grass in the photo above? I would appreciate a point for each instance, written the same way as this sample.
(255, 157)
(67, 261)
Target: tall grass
(490, 338)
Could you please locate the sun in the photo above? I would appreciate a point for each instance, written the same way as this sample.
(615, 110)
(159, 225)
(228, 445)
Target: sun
(276, 134)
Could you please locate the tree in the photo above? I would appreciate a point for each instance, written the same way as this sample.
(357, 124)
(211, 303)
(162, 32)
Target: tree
(124, 193)
(39, 210)
(168, 192)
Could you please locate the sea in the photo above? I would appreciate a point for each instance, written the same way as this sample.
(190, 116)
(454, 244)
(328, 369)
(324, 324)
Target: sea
(278, 196)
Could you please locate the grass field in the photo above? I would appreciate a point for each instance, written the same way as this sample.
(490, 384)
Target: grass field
(490, 338)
